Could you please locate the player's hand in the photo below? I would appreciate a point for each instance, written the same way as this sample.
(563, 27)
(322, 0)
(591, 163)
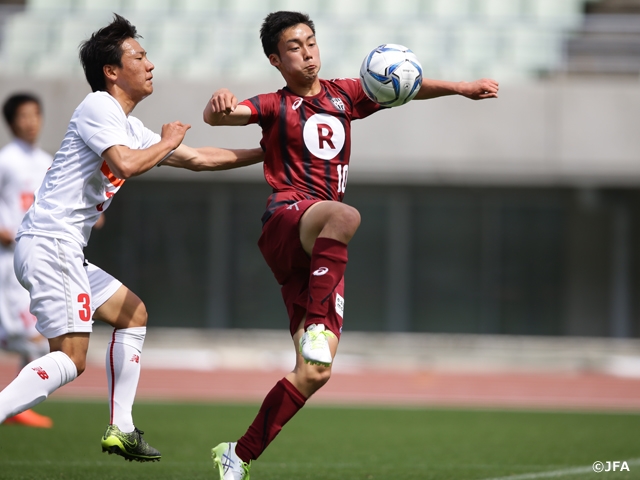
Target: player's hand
(6, 238)
(480, 89)
(223, 101)
(173, 133)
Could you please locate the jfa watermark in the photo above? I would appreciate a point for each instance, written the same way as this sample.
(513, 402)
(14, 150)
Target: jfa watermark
(615, 466)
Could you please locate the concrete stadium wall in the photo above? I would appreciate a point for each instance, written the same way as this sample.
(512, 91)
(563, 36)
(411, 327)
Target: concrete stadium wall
(560, 133)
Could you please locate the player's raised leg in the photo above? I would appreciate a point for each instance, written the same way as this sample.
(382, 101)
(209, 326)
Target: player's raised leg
(124, 311)
(325, 230)
(232, 460)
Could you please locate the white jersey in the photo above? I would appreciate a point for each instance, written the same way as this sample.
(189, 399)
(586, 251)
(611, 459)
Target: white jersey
(79, 185)
(22, 168)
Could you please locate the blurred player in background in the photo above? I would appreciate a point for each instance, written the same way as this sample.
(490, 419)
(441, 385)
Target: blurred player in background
(103, 147)
(22, 168)
(306, 227)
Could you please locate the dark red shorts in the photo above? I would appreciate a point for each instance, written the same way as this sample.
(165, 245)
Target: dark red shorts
(281, 248)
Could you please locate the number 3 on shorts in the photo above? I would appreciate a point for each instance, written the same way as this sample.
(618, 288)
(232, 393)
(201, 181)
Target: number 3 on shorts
(85, 311)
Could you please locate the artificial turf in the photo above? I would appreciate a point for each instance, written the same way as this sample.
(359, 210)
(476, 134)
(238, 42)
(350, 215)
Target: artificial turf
(323, 443)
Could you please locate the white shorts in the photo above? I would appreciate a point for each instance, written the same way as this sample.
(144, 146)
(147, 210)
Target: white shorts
(15, 319)
(65, 290)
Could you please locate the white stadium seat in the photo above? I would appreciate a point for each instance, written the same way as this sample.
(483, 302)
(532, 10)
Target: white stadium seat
(474, 44)
(449, 9)
(499, 10)
(405, 9)
(156, 8)
(311, 7)
(198, 8)
(98, 6)
(447, 35)
(352, 10)
(49, 6)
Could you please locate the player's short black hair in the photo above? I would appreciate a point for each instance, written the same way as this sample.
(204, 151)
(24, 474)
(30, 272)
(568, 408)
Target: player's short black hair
(104, 47)
(14, 102)
(277, 22)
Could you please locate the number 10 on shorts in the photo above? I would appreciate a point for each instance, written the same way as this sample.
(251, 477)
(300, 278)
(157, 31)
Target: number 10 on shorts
(342, 178)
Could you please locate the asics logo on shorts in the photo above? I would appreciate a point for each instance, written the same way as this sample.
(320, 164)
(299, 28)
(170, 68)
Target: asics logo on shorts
(321, 271)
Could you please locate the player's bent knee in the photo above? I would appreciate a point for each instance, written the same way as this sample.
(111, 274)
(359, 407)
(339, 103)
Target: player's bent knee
(351, 219)
(140, 316)
(316, 377)
(81, 368)
(79, 362)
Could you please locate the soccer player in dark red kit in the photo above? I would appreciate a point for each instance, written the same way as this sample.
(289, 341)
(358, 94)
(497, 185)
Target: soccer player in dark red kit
(306, 228)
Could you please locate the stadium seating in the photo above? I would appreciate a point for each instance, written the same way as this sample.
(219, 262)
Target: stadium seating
(213, 38)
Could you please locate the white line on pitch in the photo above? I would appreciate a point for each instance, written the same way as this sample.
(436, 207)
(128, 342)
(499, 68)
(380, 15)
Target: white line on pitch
(556, 473)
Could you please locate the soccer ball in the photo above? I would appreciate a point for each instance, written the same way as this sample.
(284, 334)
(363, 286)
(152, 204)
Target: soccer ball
(391, 75)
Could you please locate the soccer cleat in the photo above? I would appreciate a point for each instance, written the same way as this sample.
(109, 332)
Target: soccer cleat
(131, 446)
(29, 418)
(227, 465)
(314, 346)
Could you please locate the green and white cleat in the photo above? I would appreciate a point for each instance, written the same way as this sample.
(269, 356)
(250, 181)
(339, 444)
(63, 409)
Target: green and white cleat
(227, 465)
(131, 446)
(314, 346)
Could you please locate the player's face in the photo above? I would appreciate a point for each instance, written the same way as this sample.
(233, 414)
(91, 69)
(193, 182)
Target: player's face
(299, 58)
(26, 126)
(135, 77)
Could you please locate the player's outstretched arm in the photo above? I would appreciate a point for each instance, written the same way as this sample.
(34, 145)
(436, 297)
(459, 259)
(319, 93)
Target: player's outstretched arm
(223, 109)
(212, 158)
(125, 162)
(477, 90)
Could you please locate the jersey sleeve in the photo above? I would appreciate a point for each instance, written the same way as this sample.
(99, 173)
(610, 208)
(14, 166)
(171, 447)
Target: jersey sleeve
(146, 137)
(362, 106)
(101, 124)
(263, 108)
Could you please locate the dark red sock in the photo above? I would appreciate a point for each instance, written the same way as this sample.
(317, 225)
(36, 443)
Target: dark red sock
(279, 406)
(328, 263)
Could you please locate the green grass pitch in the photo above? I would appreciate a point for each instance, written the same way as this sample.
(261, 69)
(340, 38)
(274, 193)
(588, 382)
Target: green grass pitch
(323, 443)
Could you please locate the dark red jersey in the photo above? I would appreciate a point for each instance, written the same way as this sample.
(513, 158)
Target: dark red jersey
(307, 140)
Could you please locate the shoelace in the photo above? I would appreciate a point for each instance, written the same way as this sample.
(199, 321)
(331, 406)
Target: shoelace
(315, 340)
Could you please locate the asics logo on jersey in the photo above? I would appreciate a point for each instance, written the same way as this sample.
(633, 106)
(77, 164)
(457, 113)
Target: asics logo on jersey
(324, 135)
(296, 104)
(321, 271)
(41, 372)
(338, 103)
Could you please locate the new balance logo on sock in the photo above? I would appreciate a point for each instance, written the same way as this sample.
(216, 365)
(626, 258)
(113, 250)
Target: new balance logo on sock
(135, 358)
(321, 271)
(41, 373)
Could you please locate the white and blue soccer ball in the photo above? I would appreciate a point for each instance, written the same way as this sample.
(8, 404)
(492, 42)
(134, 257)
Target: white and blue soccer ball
(391, 75)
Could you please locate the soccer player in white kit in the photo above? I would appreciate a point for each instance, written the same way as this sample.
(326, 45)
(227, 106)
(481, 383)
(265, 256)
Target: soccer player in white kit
(103, 147)
(22, 167)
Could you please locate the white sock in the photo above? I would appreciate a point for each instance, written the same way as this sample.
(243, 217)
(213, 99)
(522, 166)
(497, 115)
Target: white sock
(35, 383)
(123, 373)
